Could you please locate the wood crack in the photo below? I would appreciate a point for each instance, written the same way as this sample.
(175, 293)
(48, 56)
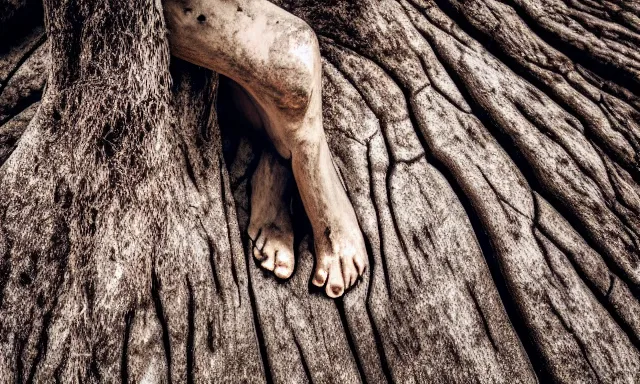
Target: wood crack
(162, 319)
(303, 361)
(191, 329)
(227, 200)
(124, 360)
(262, 347)
(556, 277)
(20, 62)
(575, 337)
(500, 197)
(381, 233)
(384, 363)
(573, 49)
(483, 318)
(352, 346)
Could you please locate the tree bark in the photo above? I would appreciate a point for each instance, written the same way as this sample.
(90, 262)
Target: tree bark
(490, 149)
(121, 256)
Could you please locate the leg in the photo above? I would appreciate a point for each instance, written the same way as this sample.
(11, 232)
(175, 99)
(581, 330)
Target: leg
(274, 56)
(270, 228)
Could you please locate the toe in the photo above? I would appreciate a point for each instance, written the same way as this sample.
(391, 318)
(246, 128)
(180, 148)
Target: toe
(268, 264)
(253, 231)
(257, 254)
(260, 239)
(283, 272)
(335, 283)
(320, 277)
(258, 243)
(269, 254)
(321, 272)
(284, 264)
(349, 273)
(361, 264)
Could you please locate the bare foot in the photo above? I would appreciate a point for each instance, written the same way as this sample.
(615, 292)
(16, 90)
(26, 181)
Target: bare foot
(275, 57)
(270, 225)
(340, 259)
(341, 256)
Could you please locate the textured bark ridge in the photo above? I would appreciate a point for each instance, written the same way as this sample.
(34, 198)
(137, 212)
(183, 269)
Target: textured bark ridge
(120, 252)
(490, 149)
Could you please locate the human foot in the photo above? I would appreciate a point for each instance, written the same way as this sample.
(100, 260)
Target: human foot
(282, 73)
(270, 228)
(341, 257)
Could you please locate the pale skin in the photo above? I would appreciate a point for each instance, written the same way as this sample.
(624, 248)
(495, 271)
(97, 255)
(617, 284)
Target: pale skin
(274, 58)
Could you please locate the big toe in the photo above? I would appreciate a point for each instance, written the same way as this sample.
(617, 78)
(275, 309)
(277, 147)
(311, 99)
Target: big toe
(284, 263)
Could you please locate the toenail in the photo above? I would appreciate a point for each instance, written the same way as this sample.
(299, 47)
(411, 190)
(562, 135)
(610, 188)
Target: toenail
(336, 290)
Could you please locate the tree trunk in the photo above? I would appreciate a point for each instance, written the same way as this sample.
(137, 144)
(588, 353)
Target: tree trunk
(490, 149)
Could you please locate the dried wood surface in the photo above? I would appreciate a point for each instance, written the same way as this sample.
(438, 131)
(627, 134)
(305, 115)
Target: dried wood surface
(490, 149)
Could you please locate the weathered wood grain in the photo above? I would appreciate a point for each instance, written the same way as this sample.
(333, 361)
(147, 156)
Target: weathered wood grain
(490, 149)
(595, 38)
